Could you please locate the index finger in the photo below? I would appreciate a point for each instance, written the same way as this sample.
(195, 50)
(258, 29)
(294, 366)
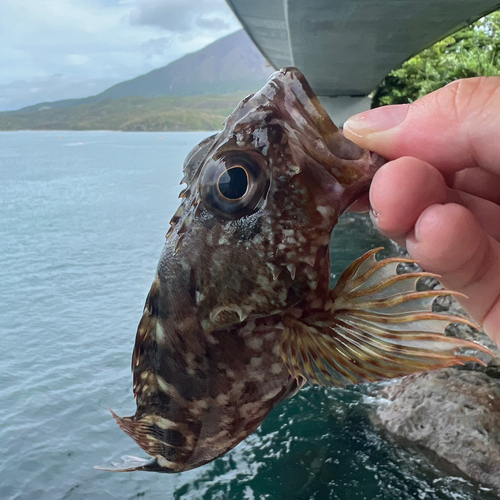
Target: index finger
(453, 128)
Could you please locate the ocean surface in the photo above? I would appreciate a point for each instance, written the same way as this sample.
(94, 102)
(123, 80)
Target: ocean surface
(83, 216)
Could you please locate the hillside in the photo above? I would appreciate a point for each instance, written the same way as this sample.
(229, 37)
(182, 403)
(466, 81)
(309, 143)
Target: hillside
(167, 113)
(230, 64)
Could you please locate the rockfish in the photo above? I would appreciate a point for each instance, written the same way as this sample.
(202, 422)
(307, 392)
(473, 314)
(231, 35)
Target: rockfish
(240, 314)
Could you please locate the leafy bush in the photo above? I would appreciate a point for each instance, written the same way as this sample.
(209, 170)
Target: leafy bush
(472, 51)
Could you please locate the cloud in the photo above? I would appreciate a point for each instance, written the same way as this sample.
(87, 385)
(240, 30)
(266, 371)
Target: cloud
(212, 23)
(180, 16)
(51, 48)
(77, 59)
(156, 45)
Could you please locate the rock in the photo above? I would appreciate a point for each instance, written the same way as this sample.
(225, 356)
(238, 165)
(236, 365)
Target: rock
(454, 413)
(493, 368)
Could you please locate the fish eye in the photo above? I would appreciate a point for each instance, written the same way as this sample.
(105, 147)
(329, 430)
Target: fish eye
(234, 185)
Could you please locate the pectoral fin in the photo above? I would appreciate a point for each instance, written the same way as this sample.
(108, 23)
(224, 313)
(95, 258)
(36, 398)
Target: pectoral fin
(374, 326)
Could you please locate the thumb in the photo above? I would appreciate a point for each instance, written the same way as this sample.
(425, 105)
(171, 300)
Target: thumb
(453, 128)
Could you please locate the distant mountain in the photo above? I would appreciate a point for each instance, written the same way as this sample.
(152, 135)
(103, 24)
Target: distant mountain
(230, 64)
(165, 113)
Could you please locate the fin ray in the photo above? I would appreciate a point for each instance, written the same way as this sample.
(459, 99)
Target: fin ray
(375, 325)
(129, 464)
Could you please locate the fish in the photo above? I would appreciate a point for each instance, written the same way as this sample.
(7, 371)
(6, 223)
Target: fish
(240, 315)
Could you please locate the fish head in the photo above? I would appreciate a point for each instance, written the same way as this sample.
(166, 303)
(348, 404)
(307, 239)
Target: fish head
(261, 201)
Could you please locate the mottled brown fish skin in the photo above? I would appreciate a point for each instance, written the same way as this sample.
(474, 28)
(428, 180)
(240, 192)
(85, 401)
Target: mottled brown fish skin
(207, 366)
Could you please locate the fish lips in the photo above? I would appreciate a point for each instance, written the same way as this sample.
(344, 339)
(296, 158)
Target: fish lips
(313, 137)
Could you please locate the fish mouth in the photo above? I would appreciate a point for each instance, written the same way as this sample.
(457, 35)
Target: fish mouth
(299, 90)
(316, 138)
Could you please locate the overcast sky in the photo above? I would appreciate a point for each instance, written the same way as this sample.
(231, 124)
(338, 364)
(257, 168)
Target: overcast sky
(62, 49)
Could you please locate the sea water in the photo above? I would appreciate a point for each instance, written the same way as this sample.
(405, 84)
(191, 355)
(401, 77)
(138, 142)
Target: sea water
(83, 216)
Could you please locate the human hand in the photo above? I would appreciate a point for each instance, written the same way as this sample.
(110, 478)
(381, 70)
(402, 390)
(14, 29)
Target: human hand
(440, 194)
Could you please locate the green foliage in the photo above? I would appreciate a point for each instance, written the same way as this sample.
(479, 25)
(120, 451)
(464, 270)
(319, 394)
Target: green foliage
(472, 51)
(167, 113)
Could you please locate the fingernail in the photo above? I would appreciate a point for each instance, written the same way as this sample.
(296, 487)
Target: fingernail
(377, 120)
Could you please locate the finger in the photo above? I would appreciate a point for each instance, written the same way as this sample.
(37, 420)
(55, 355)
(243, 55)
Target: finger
(486, 212)
(401, 190)
(479, 183)
(449, 241)
(454, 128)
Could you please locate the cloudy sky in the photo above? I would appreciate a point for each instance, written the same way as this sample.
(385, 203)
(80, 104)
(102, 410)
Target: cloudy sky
(62, 49)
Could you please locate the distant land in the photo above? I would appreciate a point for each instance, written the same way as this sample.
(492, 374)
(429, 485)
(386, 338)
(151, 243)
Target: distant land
(195, 92)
